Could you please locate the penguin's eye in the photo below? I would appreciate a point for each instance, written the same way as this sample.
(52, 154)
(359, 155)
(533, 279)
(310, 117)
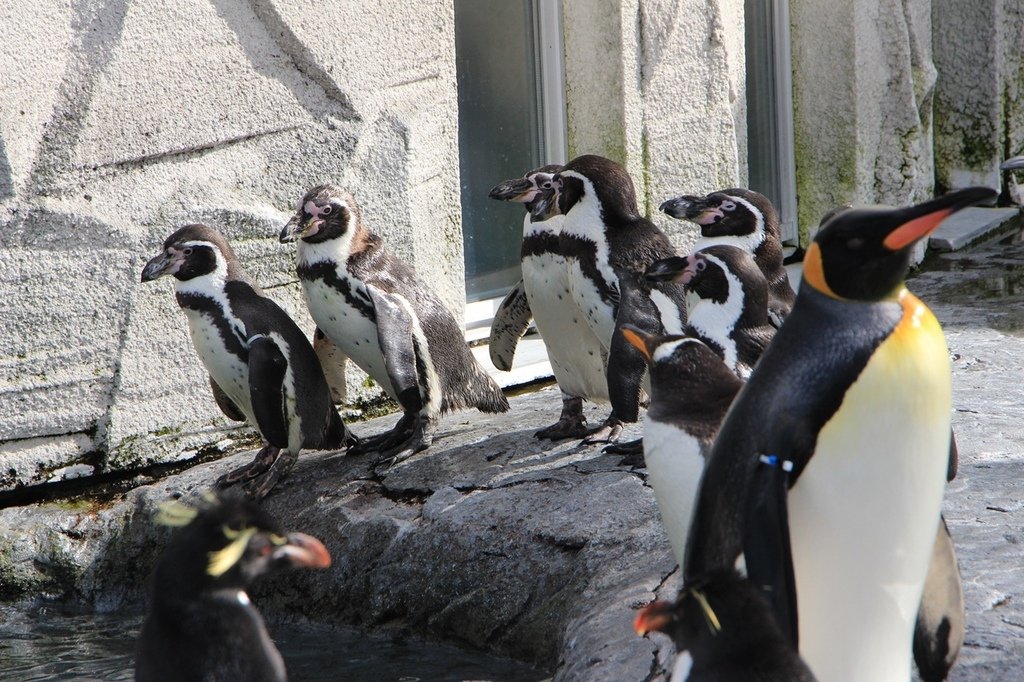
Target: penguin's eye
(728, 206)
(187, 251)
(700, 265)
(327, 210)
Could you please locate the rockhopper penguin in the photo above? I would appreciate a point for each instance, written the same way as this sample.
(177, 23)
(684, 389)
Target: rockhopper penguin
(373, 307)
(577, 357)
(827, 475)
(727, 302)
(724, 631)
(691, 390)
(262, 367)
(201, 625)
(605, 240)
(745, 219)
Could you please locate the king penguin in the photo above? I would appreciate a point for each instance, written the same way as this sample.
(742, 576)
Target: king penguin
(262, 367)
(378, 313)
(577, 357)
(832, 501)
(691, 390)
(201, 625)
(608, 245)
(727, 302)
(745, 219)
(724, 631)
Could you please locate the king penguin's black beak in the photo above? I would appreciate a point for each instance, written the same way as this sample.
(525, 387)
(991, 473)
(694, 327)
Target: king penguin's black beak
(666, 269)
(156, 267)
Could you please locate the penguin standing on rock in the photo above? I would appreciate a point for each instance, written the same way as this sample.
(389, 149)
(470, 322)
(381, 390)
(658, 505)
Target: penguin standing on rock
(745, 219)
(373, 307)
(832, 502)
(607, 245)
(691, 390)
(201, 625)
(727, 302)
(577, 357)
(262, 367)
(724, 631)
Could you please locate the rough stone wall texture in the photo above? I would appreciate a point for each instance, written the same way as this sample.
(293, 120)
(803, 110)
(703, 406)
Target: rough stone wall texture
(659, 85)
(863, 88)
(130, 119)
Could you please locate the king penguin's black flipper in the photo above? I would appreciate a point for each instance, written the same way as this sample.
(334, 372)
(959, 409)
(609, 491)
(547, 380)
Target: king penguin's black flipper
(767, 551)
(397, 345)
(267, 370)
(226, 405)
(510, 323)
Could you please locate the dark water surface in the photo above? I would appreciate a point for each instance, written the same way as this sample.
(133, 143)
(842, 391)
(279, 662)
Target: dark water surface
(56, 643)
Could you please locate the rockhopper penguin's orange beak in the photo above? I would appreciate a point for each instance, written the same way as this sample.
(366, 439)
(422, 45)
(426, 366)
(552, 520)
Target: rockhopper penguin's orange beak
(654, 617)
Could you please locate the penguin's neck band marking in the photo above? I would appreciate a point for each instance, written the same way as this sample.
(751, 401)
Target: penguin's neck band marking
(814, 271)
(328, 272)
(539, 244)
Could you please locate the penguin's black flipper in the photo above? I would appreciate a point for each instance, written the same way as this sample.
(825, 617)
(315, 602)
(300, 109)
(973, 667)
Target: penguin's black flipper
(397, 345)
(626, 365)
(766, 542)
(940, 627)
(510, 323)
(267, 369)
(226, 405)
(954, 458)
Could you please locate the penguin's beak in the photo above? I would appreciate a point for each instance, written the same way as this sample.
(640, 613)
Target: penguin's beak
(520, 190)
(667, 269)
(1016, 163)
(655, 617)
(302, 551)
(544, 206)
(694, 209)
(638, 338)
(916, 222)
(158, 266)
(301, 225)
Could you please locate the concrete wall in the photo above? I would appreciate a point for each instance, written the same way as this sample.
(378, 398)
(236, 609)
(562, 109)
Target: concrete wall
(659, 86)
(121, 121)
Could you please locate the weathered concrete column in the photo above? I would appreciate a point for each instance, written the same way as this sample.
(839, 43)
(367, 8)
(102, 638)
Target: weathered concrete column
(979, 108)
(659, 86)
(863, 86)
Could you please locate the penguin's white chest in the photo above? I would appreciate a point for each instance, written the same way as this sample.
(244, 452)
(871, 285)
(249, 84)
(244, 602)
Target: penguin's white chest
(864, 511)
(226, 368)
(674, 467)
(576, 354)
(599, 315)
(348, 327)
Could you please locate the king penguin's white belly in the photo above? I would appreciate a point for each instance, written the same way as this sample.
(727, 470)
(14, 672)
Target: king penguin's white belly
(227, 369)
(349, 329)
(576, 354)
(674, 467)
(864, 512)
(598, 314)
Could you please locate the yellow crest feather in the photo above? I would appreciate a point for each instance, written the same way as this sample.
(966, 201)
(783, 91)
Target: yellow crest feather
(709, 613)
(175, 514)
(221, 561)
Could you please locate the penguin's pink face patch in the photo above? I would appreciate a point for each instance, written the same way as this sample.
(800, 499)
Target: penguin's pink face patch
(316, 214)
(713, 214)
(695, 264)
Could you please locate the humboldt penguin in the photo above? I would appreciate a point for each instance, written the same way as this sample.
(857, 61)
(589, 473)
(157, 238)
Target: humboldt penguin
(380, 316)
(605, 240)
(262, 367)
(827, 475)
(727, 302)
(724, 631)
(691, 390)
(745, 219)
(577, 357)
(201, 625)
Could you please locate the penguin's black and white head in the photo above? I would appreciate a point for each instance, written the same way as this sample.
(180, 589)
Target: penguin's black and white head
(863, 254)
(734, 212)
(597, 187)
(225, 544)
(327, 218)
(193, 252)
(535, 191)
(714, 273)
(683, 364)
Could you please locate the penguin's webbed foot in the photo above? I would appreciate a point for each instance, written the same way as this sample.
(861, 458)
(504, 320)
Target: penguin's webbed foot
(401, 432)
(264, 459)
(260, 486)
(608, 432)
(420, 439)
(571, 423)
(632, 452)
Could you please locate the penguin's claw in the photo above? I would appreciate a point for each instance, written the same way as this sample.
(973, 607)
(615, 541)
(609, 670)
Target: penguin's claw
(608, 432)
(260, 477)
(263, 461)
(386, 441)
(420, 439)
(632, 452)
